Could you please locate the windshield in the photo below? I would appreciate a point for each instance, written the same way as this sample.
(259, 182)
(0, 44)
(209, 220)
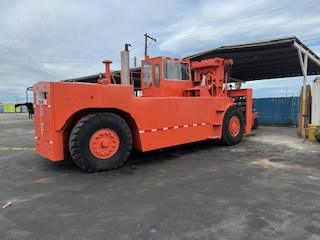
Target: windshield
(173, 70)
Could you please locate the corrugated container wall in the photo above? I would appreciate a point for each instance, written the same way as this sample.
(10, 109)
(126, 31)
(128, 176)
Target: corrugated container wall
(1, 108)
(278, 110)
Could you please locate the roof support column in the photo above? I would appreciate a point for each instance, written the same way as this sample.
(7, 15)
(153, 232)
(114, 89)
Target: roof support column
(303, 59)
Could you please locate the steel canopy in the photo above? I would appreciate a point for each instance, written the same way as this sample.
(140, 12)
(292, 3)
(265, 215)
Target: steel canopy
(276, 58)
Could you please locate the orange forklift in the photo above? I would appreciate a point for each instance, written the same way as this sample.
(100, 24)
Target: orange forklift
(98, 124)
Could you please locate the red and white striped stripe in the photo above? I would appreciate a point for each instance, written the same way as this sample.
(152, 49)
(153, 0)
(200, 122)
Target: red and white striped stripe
(44, 105)
(175, 59)
(172, 127)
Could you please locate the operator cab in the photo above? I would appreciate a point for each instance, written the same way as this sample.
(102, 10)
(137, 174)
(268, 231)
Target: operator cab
(165, 77)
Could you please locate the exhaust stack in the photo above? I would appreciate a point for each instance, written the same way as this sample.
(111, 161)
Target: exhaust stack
(125, 70)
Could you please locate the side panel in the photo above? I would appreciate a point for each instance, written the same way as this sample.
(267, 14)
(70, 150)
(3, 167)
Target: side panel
(48, 141)
(165, 122)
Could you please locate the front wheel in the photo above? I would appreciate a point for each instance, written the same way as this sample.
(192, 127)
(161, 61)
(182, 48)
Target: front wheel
(233, 126)
(100, 141)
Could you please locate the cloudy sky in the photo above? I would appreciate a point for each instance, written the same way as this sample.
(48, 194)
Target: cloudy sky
(57, 39)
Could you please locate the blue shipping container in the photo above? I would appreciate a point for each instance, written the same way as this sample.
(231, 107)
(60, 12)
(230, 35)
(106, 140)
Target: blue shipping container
(1, 108)
(284, 110)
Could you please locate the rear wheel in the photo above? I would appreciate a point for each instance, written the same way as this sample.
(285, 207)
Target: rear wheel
(100, 141)
(233, 126)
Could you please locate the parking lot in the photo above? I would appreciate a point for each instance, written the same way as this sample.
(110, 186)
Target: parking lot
(266, 187)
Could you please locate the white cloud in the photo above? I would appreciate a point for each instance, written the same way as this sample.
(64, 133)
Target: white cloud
(54, 33)
(242, 22)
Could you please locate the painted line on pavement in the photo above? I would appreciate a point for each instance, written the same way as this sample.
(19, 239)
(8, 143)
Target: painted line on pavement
(15, 148)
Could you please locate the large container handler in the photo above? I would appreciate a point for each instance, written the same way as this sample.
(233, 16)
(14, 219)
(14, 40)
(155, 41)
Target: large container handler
(98, 124)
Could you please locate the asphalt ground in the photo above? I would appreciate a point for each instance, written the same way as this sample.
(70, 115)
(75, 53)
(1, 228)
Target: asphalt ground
(266, 187)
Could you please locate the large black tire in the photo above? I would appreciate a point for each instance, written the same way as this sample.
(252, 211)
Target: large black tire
(229, 138)
(88, 127)
(255, 124)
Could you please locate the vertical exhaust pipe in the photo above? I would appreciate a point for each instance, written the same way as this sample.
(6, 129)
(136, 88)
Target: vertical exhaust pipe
(125, 67)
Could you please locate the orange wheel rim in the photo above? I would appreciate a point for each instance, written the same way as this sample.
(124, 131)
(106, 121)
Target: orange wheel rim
(104, 143)
(234, 126)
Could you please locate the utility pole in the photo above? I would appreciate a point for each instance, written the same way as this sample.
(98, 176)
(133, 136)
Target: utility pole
(146, 43)
(134, 61)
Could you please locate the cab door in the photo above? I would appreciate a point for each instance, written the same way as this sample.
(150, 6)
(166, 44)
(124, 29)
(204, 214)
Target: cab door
(156, 79)
(147, 79)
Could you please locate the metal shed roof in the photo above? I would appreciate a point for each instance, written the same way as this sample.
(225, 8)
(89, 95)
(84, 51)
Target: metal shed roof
(276, 58)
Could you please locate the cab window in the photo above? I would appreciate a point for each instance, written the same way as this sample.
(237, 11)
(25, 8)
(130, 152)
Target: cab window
(147, 74)
(173, 70)
(157, 75)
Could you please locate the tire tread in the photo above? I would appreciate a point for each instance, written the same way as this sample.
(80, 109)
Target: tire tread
(82, 126)
(226, 138)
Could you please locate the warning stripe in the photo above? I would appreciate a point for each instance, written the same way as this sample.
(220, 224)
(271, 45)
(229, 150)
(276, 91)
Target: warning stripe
(44, 105)
(172, 127)
(175, 59)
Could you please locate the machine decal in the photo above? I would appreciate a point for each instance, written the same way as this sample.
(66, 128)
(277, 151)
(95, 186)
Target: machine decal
(173, 127)
(41, 120)
(48, 141)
